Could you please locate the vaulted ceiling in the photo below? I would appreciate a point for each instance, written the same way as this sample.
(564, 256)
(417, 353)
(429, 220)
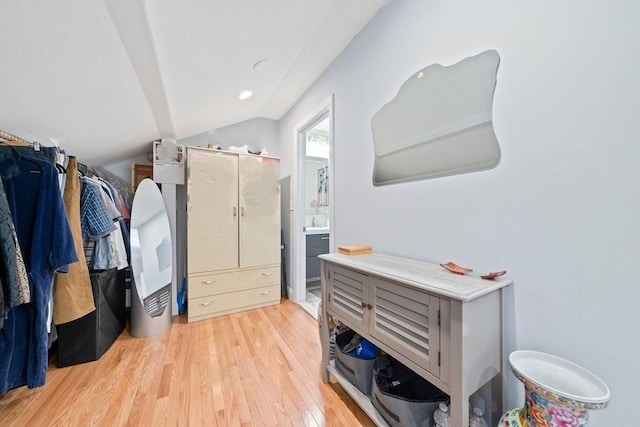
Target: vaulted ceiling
(103, 78)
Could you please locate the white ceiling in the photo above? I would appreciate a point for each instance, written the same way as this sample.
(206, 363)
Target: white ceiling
(106, 77)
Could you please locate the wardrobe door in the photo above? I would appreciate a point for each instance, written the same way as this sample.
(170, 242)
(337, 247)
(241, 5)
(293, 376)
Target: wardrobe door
(259, 211)
(212, 211)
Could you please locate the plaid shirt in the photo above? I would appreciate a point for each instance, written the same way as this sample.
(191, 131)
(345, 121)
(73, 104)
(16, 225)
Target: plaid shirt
(94, 219)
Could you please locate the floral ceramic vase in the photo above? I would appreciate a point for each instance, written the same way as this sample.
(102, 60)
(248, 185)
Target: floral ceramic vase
(558, 393)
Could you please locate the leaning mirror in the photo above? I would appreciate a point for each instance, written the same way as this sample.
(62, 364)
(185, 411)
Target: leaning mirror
(151, 262)
(440, 123)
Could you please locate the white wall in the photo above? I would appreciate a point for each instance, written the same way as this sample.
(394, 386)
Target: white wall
(257, 133)
(123, 169)
(561, 210)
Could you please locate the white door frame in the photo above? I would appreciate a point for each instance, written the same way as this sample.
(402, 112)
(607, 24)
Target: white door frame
(298, 236)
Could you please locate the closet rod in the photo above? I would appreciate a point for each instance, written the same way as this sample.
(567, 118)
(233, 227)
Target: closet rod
(6, 136)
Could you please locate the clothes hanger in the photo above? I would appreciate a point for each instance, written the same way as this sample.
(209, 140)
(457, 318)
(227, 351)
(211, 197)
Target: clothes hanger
(17, 157)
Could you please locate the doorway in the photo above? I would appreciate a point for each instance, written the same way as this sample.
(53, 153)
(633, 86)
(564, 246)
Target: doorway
(313, 225)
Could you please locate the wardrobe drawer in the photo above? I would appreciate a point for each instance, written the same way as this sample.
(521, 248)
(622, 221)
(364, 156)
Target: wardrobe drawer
(233, 301)
(213, 284)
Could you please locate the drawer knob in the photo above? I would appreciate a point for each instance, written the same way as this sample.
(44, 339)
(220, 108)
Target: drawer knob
(267, 274)
(205, 304)
(208, 282)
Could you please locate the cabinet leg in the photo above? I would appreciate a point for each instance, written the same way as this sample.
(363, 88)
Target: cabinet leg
(459, 411)
(324, 325)
(324, 341)
(497, 409)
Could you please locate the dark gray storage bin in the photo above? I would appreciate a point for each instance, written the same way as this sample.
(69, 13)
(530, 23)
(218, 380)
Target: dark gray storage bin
(358, 371)
(403, 398)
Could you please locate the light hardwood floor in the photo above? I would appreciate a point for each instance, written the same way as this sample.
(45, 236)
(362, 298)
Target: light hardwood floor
(257, 368)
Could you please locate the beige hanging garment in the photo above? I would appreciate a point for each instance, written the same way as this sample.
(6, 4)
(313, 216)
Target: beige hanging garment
(72, 295)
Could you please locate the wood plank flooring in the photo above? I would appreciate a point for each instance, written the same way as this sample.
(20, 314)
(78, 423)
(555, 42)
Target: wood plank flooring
(257, 368)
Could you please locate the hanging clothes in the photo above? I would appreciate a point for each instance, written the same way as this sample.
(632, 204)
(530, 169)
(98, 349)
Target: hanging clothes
(14, 283)
(47, 246)
(124, 189)
(109, 251)
(61, 164)
(124, 217)
(72, 294)
(121, 206)
(94, 218)
(87, 338)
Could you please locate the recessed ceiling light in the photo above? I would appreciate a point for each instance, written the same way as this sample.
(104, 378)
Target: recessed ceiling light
(245, 94)
(261, 65)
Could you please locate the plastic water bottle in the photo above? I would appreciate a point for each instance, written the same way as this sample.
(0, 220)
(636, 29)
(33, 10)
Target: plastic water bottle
(441, 416)
(475, 419)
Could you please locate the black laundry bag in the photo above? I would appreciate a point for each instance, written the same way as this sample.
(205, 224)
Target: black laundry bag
(88, 338)
(403, 398)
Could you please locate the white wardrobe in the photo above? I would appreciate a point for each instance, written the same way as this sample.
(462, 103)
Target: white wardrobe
(233, 232)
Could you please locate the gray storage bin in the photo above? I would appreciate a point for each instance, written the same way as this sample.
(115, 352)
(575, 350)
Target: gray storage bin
(358, 371)
(403, 398)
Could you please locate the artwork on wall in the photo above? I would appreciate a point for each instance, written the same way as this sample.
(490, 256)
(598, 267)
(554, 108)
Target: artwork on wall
(440, 123)
(323, 186)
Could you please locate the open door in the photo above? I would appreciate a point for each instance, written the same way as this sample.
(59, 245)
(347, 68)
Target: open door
(312, 228)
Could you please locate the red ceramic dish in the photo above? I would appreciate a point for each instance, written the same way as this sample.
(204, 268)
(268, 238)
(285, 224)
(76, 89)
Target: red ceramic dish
(492, 276)
(455, 268)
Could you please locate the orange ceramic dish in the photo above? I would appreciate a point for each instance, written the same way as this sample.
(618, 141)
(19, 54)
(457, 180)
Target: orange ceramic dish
(455, 268)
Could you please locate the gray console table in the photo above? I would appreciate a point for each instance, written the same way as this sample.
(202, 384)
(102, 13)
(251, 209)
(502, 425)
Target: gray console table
(445, 327)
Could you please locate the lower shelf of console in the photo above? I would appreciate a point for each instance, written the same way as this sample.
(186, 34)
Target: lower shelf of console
(359, 397)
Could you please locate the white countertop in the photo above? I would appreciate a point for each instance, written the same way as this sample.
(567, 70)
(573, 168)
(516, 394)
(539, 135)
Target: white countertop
(423, 275)
(316, 230)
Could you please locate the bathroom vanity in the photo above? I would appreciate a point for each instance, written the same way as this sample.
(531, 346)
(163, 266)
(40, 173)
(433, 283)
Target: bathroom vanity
(445, 327)
(317, 244)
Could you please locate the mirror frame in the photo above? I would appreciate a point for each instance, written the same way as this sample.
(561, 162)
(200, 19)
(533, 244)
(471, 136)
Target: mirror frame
(150, 244)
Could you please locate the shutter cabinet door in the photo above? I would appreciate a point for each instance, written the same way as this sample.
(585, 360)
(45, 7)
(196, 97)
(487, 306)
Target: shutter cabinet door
(346, 296)
(407, 320)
